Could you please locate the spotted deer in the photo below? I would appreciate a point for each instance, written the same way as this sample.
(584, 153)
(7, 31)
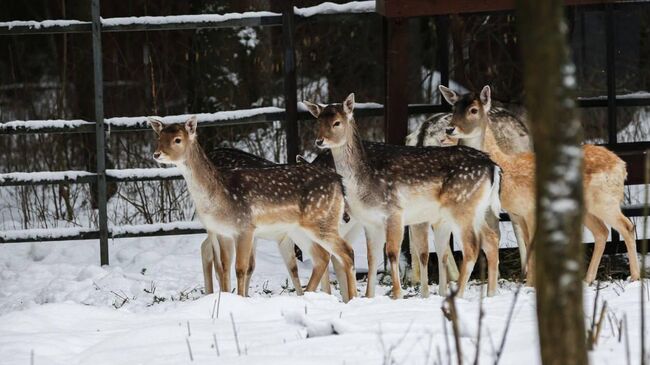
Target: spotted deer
(419, 251)
(511, 134)
(604, 176)
(303, 201)
(218, 251)
(453, 185)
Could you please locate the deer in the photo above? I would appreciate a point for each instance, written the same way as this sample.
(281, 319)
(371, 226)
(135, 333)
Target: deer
(419, 251)
(449, 188)
(306, 202)
(604, 176)
(218, 252)
(512, 135)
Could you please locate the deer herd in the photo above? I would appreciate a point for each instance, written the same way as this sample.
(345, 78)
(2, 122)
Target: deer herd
(455, 174)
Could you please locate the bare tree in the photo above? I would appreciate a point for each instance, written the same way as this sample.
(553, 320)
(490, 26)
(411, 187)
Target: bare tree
(549, 82)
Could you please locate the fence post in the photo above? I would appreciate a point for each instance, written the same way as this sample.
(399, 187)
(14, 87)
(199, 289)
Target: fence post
(290, 89)
(99, 132)
(610, 49)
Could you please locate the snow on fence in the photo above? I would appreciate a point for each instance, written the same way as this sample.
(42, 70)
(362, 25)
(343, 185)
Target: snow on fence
(193, 21)
(76, 233)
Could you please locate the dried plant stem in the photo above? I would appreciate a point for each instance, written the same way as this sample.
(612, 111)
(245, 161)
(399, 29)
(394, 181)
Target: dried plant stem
(234, 331)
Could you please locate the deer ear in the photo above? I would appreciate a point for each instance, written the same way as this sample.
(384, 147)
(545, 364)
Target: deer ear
(348, 104)
(156, 124)
(449, 94)
(486, 98)
(314, 109)
(190, 126)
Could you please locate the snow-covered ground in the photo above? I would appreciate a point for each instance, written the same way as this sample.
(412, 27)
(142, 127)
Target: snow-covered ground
(59, 306)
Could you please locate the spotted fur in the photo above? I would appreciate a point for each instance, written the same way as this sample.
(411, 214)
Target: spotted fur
(604, 176)
(400, 185)
(300, 200)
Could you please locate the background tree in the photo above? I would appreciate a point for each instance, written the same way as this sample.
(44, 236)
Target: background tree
(549, 81)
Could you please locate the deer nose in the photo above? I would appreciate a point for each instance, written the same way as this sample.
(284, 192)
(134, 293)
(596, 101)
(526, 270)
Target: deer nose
(156, 155)
(319, 142)
(450, 130)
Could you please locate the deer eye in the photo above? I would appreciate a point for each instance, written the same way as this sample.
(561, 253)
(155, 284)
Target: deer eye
(177, 140)
(473, 110)
(337, 123)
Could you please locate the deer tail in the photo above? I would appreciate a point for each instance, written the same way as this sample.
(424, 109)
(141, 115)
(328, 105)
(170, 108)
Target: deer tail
(495, 191)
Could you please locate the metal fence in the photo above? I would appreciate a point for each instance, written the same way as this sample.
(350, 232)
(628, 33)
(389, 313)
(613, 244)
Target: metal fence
(633, 153)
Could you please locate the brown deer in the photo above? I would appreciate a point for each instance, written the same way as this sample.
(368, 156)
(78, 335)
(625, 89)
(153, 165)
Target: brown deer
(453, 185)
(419, 244)
(218, 252)
(604, 176)
(511, 134)
(303, 201)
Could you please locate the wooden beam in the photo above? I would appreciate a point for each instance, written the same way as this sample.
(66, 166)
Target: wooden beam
(411, 8)
(396, 69)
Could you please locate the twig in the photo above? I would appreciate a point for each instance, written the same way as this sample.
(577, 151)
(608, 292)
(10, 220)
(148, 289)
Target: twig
(480, 315)
(189, 348)
(234, 330)
(627, 341)
(189, 333)
(452, 315)
(216, 344)
(599, 326)
(444, 328)
(508, 322)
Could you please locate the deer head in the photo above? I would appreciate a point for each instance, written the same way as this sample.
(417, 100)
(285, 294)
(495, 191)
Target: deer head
(335, 122)
(174, 141)
(469, 112)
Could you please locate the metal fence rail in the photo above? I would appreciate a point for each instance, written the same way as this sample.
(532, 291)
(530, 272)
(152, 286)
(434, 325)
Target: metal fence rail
(287, 20)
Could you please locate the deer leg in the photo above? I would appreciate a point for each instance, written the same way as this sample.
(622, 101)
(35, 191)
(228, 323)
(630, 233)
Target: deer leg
(226, 253)
(321, 260)
(415, 263)
(207, 259)
(288, 253)
(394, 236)
(490, 245)
(341, 276)
(441, 236)
(243, 258)
(375, 241)
(625, 227)
(469, 243)
(518, 226)
(339, 249)
(452, 268)
(419, 241)
(251, 268)
(600, 232)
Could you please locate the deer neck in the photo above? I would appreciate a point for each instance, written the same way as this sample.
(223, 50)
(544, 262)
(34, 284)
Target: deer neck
(350, 159)
(486, 142)
(202, 177)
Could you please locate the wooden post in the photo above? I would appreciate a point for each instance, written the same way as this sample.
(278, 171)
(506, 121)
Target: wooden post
(396, 69)
(290, 90)
(100, 134)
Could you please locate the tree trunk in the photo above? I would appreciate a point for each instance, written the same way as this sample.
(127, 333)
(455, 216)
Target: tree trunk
(549, 82)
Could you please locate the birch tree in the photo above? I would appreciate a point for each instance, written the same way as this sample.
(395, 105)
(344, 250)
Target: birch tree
(549, 82)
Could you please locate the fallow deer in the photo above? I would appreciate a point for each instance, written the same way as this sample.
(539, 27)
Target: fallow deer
(304, 201)
(604, 176)
(419, 247)
(218, 252)
(511, 134)
(453, 185)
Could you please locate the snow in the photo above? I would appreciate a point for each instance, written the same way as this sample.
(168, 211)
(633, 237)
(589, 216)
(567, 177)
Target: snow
(195, 18)
(156, 227)
(332, 8)
(143, 173)
(42, 233)
(42, 24)
(43, 176)
(40, 124)
(201, 117)
(58, 304)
